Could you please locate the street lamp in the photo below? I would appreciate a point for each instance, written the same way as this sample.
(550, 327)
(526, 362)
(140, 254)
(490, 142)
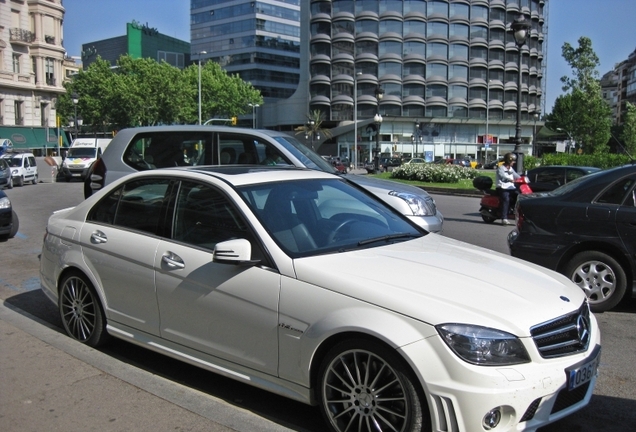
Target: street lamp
(379, 94)
(355, 117)
(254, 106)
(75, 98)
(418, 136)
(520, 29)
(311, 133)
(535, 147)
(200, 54)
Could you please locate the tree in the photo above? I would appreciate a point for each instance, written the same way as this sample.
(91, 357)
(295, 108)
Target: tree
(628, 134)
(313, 126)
(586, 116)
(143, 92)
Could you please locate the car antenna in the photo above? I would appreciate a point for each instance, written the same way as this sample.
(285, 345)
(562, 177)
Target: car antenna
(631, 158)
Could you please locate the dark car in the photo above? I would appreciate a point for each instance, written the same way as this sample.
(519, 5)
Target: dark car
(547, 178)
(8, 218)
(585, 230)
(6, 179)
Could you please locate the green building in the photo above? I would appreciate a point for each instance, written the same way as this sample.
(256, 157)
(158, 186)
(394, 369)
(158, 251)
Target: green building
(140, 41)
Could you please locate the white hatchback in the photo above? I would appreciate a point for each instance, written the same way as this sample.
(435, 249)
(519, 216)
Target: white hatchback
(301, 283)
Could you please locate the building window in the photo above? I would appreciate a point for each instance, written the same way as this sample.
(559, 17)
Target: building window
(34, 68)
(49, 71)
(17, 108)
(16, 63)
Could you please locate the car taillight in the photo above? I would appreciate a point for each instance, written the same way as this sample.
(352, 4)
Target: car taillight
(519, 217)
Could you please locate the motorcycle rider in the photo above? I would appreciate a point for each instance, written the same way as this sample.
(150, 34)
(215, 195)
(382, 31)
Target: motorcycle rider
(506, 175)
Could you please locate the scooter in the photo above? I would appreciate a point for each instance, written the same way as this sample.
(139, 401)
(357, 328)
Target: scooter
(490, 204)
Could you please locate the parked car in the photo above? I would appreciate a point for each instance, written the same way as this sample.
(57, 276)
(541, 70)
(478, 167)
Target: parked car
(493, 164)
(388, 164)
(6, 179)
(231, 268)
(415, 161)
(586, 230)
(549, 177)
(9, 223)
(23, 167)
(138, 149)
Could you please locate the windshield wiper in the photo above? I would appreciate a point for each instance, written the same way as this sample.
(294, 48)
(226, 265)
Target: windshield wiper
(387, 237)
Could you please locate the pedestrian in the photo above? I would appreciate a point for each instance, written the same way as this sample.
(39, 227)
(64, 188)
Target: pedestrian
(506, 175)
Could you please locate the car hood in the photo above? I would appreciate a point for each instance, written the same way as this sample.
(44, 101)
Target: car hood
(378, 185)
(439, 280)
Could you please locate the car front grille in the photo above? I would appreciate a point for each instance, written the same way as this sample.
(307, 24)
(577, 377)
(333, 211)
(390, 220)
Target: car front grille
(565, 335)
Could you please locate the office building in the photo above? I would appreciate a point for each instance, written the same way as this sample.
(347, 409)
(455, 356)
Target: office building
(447, 71)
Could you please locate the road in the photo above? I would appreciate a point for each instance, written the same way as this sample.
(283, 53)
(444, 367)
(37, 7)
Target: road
(612, 408)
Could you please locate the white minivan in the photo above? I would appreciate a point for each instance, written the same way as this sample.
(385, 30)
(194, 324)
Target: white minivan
(23, 167)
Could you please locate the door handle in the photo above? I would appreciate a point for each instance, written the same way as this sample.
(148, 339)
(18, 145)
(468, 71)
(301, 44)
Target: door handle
(172, 260)
(98, 237)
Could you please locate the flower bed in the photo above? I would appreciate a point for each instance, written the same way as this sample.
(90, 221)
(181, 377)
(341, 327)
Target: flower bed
(434, 173)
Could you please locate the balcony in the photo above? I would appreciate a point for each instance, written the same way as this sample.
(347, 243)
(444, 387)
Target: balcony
(21, 36)
(49, 39)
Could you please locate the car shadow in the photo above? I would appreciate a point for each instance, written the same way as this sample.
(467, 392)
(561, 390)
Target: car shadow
(280, 410)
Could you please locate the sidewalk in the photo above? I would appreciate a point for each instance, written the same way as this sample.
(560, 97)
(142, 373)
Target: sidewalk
(50, 382)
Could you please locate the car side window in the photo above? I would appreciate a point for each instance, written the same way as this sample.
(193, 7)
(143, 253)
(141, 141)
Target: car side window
(551, 175)
(204, 217)
(168, 149)
(617, 192)
(572, 174)
(247, 150)
(135, 206)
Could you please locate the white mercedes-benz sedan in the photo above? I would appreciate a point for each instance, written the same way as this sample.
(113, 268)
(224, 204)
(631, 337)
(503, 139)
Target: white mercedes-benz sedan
(307, 285)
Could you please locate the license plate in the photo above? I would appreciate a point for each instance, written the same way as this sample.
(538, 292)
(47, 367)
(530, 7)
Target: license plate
(583, 373)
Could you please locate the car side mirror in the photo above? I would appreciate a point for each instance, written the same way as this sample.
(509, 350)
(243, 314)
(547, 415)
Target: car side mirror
(236, 251)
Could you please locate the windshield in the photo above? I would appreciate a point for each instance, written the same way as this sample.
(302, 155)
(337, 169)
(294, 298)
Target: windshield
(81, 152)
(14, 162)
(305, 155)
(310, 217)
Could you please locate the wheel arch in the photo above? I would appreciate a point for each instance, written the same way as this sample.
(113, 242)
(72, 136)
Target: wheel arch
(335, 339)
(598, 247)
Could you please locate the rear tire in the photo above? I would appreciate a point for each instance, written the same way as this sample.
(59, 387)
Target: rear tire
(81, 310)
(601, 278)
(362, 383)
(488, 219)
(35, 179)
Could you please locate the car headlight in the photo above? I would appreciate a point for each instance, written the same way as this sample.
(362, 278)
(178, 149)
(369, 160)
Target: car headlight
(14, 172)
(5, 203)
(418, 205)
(483, 346)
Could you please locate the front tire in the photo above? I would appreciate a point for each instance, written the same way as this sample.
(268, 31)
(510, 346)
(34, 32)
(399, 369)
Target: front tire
(81, 311)
(601, 278)
(362, 387)
(20, 181)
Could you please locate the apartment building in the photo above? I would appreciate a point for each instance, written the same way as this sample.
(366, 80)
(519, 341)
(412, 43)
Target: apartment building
(31, 72)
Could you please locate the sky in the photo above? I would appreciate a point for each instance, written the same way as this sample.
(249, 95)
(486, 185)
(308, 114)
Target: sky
(610, 24)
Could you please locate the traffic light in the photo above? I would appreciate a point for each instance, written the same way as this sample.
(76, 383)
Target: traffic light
(234, 120)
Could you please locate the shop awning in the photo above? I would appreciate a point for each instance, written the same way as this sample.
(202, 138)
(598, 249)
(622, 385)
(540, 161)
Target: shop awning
(31, 138)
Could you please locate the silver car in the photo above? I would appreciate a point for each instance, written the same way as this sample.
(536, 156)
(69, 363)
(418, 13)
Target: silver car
(301, 283)
(140, 149)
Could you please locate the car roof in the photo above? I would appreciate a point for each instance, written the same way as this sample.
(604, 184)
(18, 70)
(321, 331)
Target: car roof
(203, 128)
(240, 175)
(585, 168)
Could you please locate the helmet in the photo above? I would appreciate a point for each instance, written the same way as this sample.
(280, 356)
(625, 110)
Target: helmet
(509, 158)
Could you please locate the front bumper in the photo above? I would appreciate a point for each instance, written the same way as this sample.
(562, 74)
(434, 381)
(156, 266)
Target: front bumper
(528, 396)
(75, 172)
(434, 223)
(6, 221)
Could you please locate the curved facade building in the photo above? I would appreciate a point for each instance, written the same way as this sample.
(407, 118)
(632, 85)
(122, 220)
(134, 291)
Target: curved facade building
(448, 69)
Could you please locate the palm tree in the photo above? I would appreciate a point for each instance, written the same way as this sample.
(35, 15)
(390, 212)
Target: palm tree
(313, 127)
